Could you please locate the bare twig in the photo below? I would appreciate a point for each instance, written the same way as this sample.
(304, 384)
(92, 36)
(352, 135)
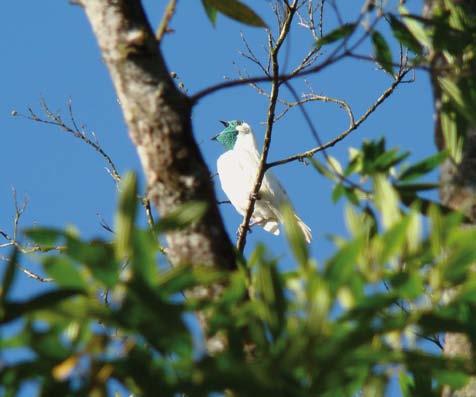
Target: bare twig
(433, 339)
(89, 137)
(340, 52)
(81, 133)
(250, 55)
(352, 127)
(12, 240)
(274, 49)
(318, 98)
(166, 18)
(34, 276)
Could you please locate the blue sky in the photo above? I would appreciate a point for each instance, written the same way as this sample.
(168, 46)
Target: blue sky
(49, 52)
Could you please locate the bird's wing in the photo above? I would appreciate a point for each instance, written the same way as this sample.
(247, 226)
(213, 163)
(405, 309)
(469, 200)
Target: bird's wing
(273, 191)
(236, 178)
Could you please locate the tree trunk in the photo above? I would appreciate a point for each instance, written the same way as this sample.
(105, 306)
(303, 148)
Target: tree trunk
(158, 116)
(457, 191)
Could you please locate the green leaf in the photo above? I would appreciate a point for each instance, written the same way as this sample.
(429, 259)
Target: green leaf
(452, 135)
(235, 10)
(269, 289)
(462, 103)
(322, 169)
(423, 167)
(210, 11)
(125, 216)
(382, 52)
(337, 192)
(387, 201)
(295, 235)
(180, 278)
(64, 272)
(183, 216)
(339, 33)
(13, 310)
(408, 285)
(388, 159)
(97, 256)
(415, 27)
(414, 188)
(454, 379)
(143, 260)
(403, 35)
(393, 240)
(406, 383)
(44, 236)
(9, 275)
(341, 267)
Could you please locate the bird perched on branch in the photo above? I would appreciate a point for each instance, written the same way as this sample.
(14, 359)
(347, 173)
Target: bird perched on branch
(237, 170)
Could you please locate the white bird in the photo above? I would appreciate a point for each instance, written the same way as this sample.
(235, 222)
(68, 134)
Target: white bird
(237, 169)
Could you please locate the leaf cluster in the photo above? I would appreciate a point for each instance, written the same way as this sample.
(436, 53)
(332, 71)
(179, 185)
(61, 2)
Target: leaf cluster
(328, 330)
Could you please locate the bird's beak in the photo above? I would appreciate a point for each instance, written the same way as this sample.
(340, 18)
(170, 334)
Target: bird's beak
(215, 137)
(225, 123)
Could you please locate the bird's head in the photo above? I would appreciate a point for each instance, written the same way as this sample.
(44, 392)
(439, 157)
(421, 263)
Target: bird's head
(228, 136)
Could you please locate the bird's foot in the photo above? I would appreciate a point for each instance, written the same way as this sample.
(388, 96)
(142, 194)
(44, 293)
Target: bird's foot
(240, 230)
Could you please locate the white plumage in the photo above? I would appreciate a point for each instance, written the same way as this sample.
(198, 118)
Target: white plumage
(237, 169)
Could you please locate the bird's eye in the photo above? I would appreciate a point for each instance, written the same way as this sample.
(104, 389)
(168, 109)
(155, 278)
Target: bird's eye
(239, 122)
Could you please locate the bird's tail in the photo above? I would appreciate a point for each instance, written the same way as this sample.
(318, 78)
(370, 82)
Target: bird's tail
(306, 230)
(271, 227)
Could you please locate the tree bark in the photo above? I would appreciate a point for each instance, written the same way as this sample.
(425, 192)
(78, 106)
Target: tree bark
(457, 191)
(158, 116)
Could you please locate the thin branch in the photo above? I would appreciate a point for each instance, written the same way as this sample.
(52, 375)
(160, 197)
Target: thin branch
(318, 98)
(81, 133)
(245, 224)
(12, 241)
(321, 17)
(166, 18)
(261, 79)
(250, 55)
(56, 120)
(433, 339)
(35, 276)
(335, 56)
(344, 134)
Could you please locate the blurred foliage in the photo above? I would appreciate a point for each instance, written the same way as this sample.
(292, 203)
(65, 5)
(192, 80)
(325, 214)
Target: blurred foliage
(347, 325)
(444, 41)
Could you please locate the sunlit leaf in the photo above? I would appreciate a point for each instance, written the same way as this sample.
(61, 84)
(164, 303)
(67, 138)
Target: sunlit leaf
(295, 235)
(63, 370)
(462, 103)
(453, 137)
(387, 200)
(322, 169)
(269, 289)
(125, 215)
